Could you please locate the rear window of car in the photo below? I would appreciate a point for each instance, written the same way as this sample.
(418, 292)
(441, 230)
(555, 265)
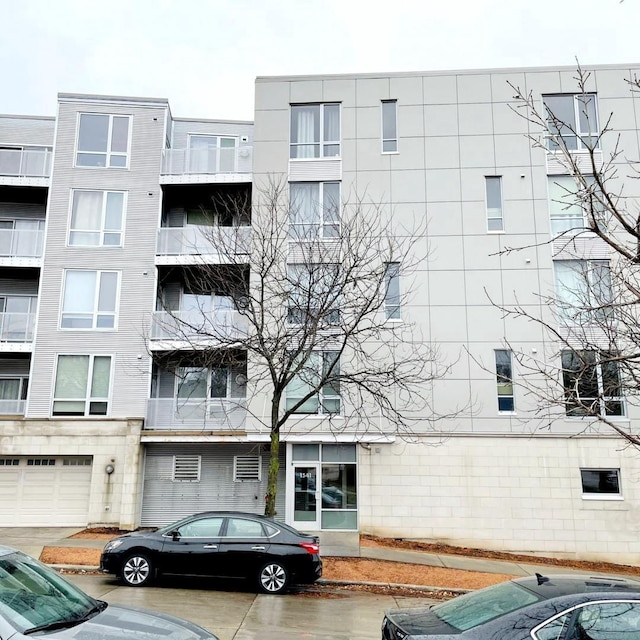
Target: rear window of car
(478, 607)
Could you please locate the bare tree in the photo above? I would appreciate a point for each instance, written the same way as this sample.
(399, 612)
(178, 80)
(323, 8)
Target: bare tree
(592, 367)
(312, 304)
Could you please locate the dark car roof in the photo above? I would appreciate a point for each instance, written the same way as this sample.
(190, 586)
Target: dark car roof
(554, 586)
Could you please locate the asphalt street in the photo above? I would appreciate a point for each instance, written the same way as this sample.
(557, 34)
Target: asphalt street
(244, 615)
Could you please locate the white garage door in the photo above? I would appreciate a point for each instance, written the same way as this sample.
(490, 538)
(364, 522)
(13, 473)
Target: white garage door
(42, 491)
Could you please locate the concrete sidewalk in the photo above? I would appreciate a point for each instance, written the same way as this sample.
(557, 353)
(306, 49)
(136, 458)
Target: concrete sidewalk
(32, 540)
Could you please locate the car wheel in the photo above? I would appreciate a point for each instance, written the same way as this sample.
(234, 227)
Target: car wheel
(273, 578)
(137, 570)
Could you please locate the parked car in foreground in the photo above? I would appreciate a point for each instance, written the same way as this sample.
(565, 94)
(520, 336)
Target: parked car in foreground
(222, 544)
(537, 607)
(35, 601)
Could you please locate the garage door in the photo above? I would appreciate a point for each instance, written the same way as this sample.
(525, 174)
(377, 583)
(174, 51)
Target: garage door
(42, 491)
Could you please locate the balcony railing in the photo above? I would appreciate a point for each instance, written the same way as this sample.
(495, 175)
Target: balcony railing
(25, 163)
(197, 326)
(196, 414)
(16, 327)
(212, 161)
(21, 243)
(203, 240)
(12, 407)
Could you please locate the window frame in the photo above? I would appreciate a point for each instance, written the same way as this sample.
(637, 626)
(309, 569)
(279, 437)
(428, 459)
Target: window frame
(601, 495)
(207, 398)
(560, 208)
(102, 231)
(578, 106)
(505, 381)
(392, 300)
(218, 151)
(321, 142)
(107, 153)
(384, 123)
(95, 313)
(490, 210)
(320, 211)
(320, 396)
(88, 398)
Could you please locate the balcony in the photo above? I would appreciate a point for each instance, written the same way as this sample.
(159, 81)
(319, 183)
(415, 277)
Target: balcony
(25, 166)
(194, 329)
(12, 407)
(196, 414)
(206, 165)
(193, 244)
(20, 246)
(16, 331)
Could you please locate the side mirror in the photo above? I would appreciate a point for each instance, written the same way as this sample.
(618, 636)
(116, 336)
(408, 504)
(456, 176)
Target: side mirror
(175, 535)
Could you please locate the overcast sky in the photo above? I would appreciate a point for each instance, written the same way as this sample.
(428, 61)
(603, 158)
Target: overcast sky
(204, 55)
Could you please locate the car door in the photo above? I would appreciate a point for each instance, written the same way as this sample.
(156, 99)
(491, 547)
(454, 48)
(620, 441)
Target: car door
(192, 549)
(244, 548)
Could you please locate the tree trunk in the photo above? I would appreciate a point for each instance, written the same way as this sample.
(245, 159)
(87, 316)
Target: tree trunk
(274, 464)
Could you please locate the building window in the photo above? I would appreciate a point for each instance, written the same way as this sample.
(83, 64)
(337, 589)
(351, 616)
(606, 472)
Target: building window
(493, 190)
(569, 201)
(17, 315)
(103, 140)
(76, 462)
(600, 482)
(21, 238)
(82, 385)
(314, 210)
(591, 384)
(97, 218)
(186, 468)
(90, 299)
(389, 126)
(504, 377)
(312, 300)
(583, 291)
(212, 154)
(13, 393)
(315, 130)
(572, 118)
(41, 462)
(9, 462)
(392, 290)
(247, 469)
(324, 400)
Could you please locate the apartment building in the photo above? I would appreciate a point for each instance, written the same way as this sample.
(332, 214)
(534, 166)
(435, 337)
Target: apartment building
(112, 414)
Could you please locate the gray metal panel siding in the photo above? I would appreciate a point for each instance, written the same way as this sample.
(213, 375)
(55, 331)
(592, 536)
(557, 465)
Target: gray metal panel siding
(21, 210)
(164, 501)
(26, 131)
(182, 129)
(130, 371)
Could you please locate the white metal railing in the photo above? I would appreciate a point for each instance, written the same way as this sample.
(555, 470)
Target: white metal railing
(25, 163)
(16, 327)
(12, 407)
(213, 160)
(213, 414)
(203, 240)
(21, 243)
(197, 326)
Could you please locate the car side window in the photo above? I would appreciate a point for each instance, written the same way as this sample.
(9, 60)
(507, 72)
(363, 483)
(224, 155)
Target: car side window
(241, 528)
(204, 528)
(608, 621)
(554, 630)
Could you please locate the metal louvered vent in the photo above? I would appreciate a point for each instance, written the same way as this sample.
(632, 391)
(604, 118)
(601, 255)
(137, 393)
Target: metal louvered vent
(247, 469)
(186, 468)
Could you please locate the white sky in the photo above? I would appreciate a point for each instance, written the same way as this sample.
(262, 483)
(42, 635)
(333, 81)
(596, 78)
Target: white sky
(203, 55)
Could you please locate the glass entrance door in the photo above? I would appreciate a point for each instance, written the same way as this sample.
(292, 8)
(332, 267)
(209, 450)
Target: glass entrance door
(306, 506)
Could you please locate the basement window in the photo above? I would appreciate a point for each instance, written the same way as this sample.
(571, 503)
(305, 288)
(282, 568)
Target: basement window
(186, 468)
(247, 469)
(41, 462)
(9, 462)
(601, 484)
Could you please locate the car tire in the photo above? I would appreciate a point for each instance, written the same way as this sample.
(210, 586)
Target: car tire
(273, 578)
(137, 570)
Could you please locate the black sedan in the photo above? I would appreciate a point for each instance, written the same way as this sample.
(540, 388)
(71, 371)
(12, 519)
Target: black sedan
(534, 608)
(222, 544)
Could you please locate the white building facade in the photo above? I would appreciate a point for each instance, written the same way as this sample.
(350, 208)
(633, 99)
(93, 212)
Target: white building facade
(105, 219)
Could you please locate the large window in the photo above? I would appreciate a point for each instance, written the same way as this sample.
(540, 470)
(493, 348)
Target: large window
(199, 383)
(389, 126)
(96, 218)
(315, 130)
(571, 204)
(323, 400)
(103, 140)
(504, 377)
(314, 294)
(82, 385)
(600, 483)
(212, 154)
(314, 210)
(392, 290)
(591, 384)
(493, 189)
(90, 299)
(584, 291)
(573, 118)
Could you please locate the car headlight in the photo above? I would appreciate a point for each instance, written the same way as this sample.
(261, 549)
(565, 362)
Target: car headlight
(111, 545)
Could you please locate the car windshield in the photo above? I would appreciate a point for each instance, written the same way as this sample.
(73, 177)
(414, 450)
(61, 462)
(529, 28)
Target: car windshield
(478, 607)
(174, 525)
(32, 595)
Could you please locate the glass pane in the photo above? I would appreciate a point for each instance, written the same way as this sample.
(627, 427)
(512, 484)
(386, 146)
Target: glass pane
(113, 214)
(219, 378)
(118, 161)
(79, 291)
(389, 146)
(306, 452)
(101, 375)
(305, 124)
(97, 408)
(10, 388)
(107, 321)
(494, 192)
(495, 224)
(561, 109)
(554, 630)
(108, 291)
(506, 403)
(600, 480)
(71, 377)
(86, 214)
(587, 114)
(331, 202)
(331, 123)
(68, 408)
(119, 134)
(389, 120)
(192, 383)
(339, 520)
(92, 160)
(112, 239)
(339, 453)
(304, 496)
(94, 132)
